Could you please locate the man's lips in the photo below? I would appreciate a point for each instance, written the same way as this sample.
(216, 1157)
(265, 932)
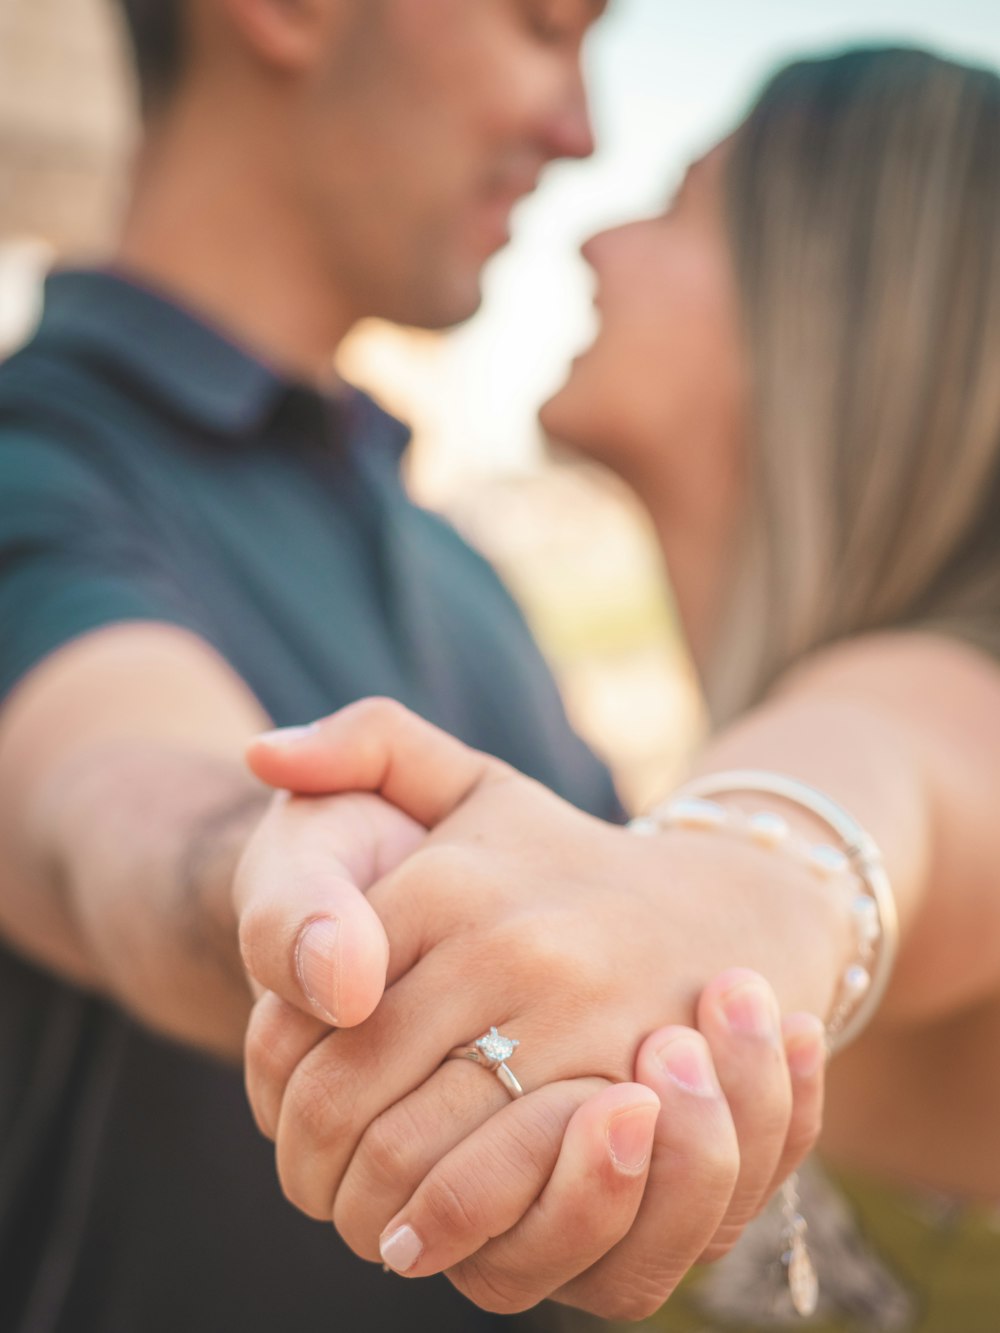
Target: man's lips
(499, 199)
(509, 189)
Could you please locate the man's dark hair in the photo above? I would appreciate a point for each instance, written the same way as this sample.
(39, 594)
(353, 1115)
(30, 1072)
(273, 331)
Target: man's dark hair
(155, 29)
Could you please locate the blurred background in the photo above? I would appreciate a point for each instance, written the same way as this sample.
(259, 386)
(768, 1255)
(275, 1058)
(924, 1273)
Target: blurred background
(667, 80)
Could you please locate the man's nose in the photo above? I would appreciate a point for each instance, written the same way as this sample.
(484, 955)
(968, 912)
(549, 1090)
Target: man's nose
(570, 132)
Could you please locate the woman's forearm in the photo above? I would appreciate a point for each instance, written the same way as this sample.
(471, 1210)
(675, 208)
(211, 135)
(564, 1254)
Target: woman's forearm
(904, 732)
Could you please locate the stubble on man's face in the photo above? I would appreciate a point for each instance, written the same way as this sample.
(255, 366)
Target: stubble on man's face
(442, 116)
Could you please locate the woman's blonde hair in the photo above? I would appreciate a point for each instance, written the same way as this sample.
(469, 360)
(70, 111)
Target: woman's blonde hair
(864, 213)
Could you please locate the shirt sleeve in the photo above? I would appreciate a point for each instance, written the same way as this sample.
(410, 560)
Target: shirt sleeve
(72, 557)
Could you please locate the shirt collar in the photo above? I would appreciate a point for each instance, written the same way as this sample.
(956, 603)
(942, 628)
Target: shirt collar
(195, 370)
(169, 352)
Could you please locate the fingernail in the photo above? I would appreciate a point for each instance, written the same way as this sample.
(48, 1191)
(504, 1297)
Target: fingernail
(751, 1010)
(401, 1249)
(317, 964)
(687, 1062)
(805, 1049)
(630, 1135)
(286, 735)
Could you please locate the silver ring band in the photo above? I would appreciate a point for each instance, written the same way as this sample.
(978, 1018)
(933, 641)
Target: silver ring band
(492, 1052)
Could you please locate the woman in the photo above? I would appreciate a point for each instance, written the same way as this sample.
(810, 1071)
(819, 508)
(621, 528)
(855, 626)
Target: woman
(796, 370)
(816, 320)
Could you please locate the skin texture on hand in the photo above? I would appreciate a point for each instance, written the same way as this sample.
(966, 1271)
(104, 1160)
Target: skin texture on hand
(518, 911)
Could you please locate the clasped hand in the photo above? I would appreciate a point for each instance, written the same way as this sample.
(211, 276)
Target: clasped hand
(664, 1098)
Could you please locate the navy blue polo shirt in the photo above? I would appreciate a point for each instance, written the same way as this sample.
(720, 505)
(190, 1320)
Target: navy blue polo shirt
(151, 469)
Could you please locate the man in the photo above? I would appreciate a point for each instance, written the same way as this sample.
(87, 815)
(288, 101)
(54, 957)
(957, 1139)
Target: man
(197, 537)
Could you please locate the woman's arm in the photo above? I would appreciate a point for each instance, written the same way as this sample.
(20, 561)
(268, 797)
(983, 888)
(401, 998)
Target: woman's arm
(903, 730)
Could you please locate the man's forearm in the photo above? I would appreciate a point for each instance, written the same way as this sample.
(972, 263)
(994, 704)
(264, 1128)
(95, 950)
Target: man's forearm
(137, 845)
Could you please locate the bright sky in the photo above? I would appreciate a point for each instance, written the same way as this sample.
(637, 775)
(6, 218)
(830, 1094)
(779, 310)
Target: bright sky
(667, 79)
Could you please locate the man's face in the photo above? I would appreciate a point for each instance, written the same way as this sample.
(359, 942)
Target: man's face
(432, 119)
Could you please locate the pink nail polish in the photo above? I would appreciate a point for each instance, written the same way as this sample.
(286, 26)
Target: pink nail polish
(401, 1249)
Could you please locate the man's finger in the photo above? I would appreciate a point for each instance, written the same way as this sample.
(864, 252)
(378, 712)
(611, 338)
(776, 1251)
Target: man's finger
(805, 1052)
(278, 1037)
(483, 1184)
(738, 1015)
(306, 930)
(376, 745)
(586, 1207)
(695, 1163)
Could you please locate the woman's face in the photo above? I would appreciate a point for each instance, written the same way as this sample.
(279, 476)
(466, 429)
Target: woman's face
(661, 395)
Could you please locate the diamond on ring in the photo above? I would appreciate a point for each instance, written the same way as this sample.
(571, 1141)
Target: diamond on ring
(492, 1051)
(496, 1047)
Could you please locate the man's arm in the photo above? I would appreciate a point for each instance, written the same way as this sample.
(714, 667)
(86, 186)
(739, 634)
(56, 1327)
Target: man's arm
(124, 807)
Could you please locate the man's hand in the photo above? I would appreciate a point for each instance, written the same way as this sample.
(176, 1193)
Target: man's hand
(306, 931)
(576, 938)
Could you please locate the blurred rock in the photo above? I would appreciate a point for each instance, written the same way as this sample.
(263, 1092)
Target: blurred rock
(65, 122)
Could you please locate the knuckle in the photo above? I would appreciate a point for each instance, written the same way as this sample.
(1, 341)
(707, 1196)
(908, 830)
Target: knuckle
(313, 1096)
(445, 881)
(631, 1306)
(491, 1288)
(379, 711)
(275, 1039)
(454, 1208)
(264, 1040)
(722, 1242)
(549, 955)
(528, 1137)
(627, 1296)
(711, 1167)
(388, 1154)
(262, 1079)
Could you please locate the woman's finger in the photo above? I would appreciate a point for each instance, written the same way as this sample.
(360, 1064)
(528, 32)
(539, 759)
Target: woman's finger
(278, 1037)
(486, 1183)
(405, 1145)
(355, 1075)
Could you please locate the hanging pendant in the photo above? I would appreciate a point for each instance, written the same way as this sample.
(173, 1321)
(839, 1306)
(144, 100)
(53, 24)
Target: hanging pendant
(803, 1284)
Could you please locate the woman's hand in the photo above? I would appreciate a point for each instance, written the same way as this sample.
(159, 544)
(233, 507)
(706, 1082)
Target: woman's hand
(580, 940)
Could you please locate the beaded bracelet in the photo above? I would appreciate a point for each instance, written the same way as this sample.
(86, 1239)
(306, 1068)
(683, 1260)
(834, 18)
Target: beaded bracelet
(872, 907)
(873, 912)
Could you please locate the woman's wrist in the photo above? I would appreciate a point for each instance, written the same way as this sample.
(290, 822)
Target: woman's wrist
(743, 905)
(850, 866)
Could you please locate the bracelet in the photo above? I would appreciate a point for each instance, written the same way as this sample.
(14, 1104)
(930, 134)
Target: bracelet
(873, 911)
(872, 906)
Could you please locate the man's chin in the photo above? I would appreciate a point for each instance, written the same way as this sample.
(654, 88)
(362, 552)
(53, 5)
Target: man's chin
(445, 307)
(555, 422)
